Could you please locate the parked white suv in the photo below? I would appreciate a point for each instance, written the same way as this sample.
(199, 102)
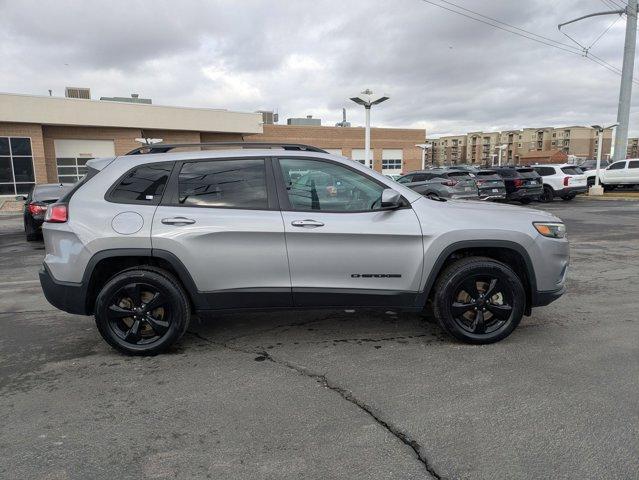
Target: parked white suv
(621, 173)
(564, 181)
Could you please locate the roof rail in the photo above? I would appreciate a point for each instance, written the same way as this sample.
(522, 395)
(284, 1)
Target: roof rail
(166, 147)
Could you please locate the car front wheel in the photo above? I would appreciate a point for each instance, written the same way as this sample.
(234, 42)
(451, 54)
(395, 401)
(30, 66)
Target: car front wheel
(479, 300)
(142, 311)
(547, 195)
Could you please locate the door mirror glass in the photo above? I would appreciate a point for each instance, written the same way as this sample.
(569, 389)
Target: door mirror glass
(391, 199)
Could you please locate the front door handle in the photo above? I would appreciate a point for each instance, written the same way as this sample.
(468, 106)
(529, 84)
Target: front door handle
(178, 221)
(307, 223)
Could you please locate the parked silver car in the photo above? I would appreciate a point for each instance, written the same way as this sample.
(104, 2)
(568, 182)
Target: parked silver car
(442, 183)
(145, 239)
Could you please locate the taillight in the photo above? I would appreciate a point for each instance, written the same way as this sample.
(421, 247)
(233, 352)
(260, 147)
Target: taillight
(57, 213)
(518, 182)
(566, 179)
(450, 183)
(37, 209)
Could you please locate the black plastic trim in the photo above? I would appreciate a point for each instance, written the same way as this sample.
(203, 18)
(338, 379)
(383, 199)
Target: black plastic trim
(464, 244)
(353, 298)
(543, 298)
(68, 297)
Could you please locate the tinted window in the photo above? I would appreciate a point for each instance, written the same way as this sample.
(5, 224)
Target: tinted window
(572, 170)
(20, 146)
(318, 185)
(144, 184)
(224, 183)
(405, 179)
(420, 177)
(617, 166)
(545, 171)
(633, 164)
(507, 172)
(44, 193)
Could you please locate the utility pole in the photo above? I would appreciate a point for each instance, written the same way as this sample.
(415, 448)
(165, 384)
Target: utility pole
(625, 89)
(625, 92)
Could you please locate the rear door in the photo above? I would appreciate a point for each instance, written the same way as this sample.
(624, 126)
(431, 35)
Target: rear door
(220, 218)
(343, 250)
(633, 171)
(615, 173)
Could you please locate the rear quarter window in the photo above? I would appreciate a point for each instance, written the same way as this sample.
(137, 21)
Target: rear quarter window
(143, 185)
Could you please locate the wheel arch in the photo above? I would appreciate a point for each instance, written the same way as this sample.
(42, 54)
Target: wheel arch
(511, 253)
(103, 265)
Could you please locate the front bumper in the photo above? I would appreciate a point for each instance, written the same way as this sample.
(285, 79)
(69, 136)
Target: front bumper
(543, 298)
(65, 296)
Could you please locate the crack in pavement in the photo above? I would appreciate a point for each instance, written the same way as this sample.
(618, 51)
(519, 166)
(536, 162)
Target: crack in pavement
(341, 391)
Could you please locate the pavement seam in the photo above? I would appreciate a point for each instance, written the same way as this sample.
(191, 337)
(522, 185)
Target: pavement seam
(342, 392)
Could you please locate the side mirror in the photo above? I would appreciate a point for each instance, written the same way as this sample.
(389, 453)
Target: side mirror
(391, 199)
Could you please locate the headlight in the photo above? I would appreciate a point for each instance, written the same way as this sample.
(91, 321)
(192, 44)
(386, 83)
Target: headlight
(552, 230)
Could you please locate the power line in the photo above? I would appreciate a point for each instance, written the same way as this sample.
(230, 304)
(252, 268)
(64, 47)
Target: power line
(604, 32)
(582, 52)
(574, 51)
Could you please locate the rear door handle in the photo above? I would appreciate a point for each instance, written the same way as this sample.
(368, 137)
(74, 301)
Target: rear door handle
(307, 223)
(178, 221)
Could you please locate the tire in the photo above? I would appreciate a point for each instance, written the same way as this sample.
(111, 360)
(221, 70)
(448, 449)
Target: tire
(548, 194)
(145, 330)
(525, 201)
(30, 232)
(608, 188)
(455, 308)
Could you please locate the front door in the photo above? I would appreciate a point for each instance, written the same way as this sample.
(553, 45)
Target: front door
(222, 222)
(343, 249)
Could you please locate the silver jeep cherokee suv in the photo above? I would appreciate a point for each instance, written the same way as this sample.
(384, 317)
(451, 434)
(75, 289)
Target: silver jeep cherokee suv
(147, 238)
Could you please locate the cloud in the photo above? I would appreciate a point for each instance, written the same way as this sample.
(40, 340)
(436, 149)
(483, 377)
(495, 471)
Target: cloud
(443, 72)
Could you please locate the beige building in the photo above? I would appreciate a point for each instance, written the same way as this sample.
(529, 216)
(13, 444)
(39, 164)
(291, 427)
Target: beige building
(484, 147)
(50, 139)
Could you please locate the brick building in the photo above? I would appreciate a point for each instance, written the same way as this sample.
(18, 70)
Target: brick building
(49, 139)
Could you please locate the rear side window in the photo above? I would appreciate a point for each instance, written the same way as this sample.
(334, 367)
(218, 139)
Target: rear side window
(545, 171)
(572, 170)
(224, 184)
(144, 184)
(633, 164)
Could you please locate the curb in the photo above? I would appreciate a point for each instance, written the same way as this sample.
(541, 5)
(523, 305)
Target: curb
(623, 199)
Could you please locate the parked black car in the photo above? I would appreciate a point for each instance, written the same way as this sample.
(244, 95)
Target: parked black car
(591, 164)
(490, 185)
(35, 206)
(523, 184)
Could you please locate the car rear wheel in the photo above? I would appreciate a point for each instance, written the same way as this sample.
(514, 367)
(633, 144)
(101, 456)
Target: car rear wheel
(142, 311)
(547, 195)
(31, 233)
(479, 300)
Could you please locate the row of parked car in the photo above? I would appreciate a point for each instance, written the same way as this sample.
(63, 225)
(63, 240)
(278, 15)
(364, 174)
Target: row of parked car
(513, 183)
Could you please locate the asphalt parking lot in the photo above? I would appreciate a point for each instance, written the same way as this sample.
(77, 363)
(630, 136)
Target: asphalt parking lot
(333, 394)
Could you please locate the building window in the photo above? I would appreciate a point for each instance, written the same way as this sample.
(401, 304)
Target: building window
(17, 175)
(71, 170)
(392, 161)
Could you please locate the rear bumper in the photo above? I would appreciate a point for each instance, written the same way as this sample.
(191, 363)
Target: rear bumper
(543, 298)
(571, 191)
(525, 193)
(65, 296)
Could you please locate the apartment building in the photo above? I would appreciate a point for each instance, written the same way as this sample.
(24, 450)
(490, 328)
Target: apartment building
(447, 150)
(633, 148)
(484, 147)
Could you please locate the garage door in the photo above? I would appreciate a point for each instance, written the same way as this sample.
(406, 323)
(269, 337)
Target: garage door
(72, 155)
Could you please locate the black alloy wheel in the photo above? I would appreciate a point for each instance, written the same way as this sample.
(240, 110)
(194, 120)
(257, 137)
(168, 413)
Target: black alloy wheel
(479, 300)
(142, 311)
(139, 314)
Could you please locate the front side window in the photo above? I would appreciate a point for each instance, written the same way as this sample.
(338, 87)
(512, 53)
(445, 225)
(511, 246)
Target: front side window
(224, 184)
(144, 184)
(617, 166)
(325, 186)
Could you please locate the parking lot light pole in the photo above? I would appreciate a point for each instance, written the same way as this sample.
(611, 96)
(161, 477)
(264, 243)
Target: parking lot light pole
(424, 147)
(597, 189)
(367, 99)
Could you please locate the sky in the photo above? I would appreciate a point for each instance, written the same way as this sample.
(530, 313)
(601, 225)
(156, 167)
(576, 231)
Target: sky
(443, 72)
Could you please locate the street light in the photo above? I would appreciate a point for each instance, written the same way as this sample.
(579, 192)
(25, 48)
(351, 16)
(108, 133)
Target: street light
(367, 99)
(596, 189)
(424, 147)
